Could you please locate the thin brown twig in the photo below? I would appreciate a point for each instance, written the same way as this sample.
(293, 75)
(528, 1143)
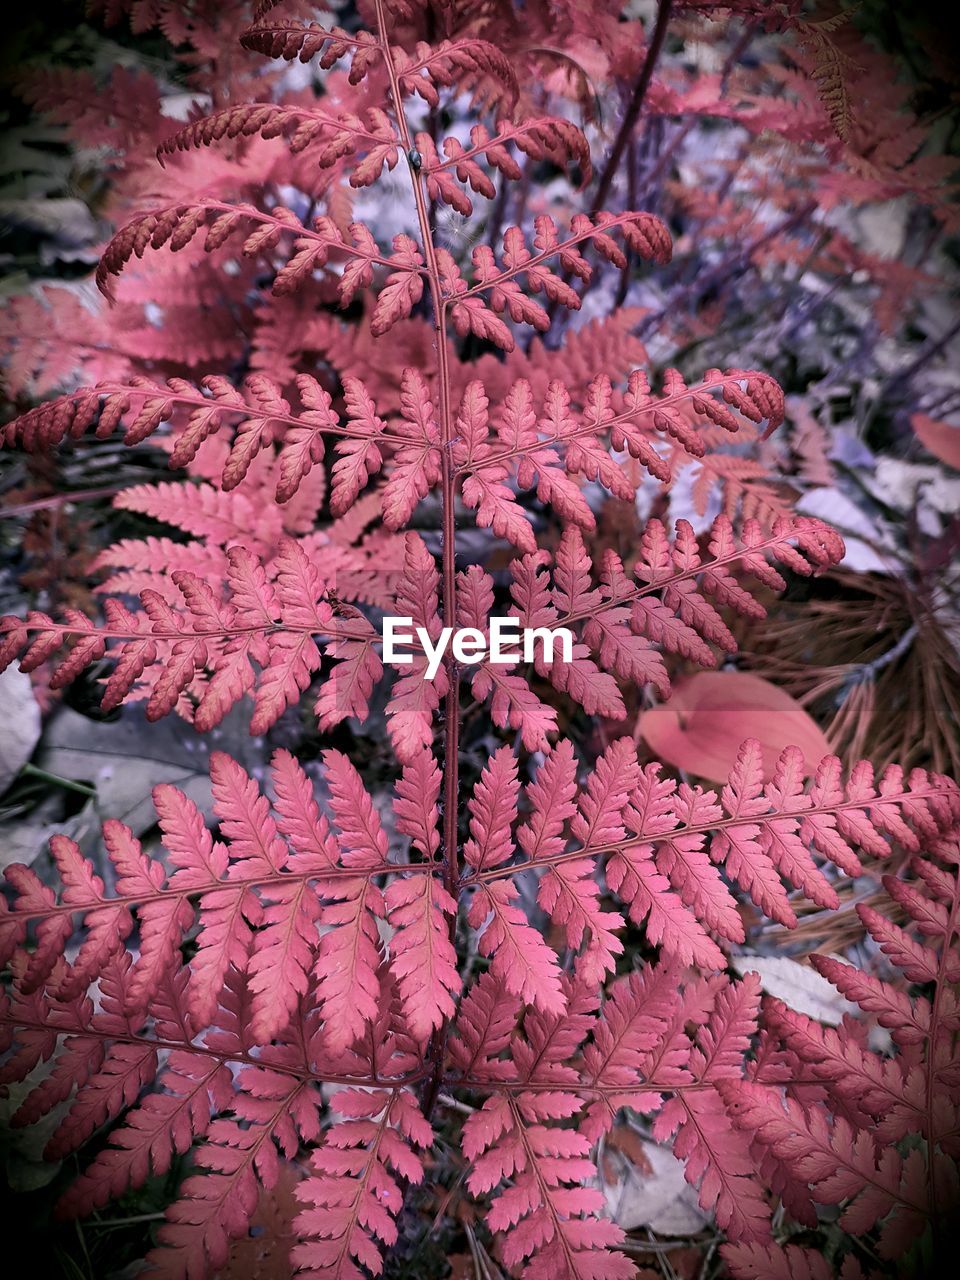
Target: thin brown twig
(632, 113)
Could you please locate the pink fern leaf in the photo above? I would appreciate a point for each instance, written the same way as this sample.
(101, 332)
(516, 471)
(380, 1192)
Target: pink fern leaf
(548, 1218)
(348, 957)
(161, 1126)
(715, 1153)
(416, 466)
(422, 957)
(352, 1195)
(414, 698)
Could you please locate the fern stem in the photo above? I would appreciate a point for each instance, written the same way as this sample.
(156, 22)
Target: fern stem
(298, 1071)
(286, 878)
(632, 114)
(59, 500)
(450, 763)
(932, 348)
(32, 771)
(646, 197)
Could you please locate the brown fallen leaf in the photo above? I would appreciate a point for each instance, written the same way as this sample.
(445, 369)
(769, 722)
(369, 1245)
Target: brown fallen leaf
(939, 438)
(710, 714)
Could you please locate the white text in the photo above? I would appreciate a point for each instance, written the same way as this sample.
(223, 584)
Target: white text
(508, 643)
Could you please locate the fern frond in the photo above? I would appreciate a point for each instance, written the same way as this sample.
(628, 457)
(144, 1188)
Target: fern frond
(639, 1028)
(353, 1192)
(257, 897)
(217, 520)
(831, 69)
(547, 1215)
(521, 959)
(471, 64)
(644, 233)
(846, 1146)
(660, 1045)
(624, 627)
(416, 468)
(840, 1163)
(205, 646)
(414, 698)
(467, 63)
(178, 224)
(49, 339)
(261, 637)
(716, 1156)
(163, 1125)
(144, 406)
(287, 989)
(239, 1156)
(539, 138)
(545, 452)
(661, 846)
(485, 1027)
(326, 138)
(513, 703)
(764, 1261)
(290, 39)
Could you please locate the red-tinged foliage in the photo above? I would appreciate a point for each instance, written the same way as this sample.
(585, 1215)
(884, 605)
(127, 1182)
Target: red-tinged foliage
(547, 942)
(265, 981)
(352, 1193)
(192, 648)
(547, 1216)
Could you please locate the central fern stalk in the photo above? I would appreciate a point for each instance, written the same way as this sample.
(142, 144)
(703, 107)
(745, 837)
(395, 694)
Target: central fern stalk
(451, 720)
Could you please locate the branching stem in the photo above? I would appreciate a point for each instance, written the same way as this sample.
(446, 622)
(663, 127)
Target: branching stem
(451, 722)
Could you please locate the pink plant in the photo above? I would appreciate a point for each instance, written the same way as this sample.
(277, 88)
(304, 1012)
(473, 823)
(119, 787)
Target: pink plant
(352, 970)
